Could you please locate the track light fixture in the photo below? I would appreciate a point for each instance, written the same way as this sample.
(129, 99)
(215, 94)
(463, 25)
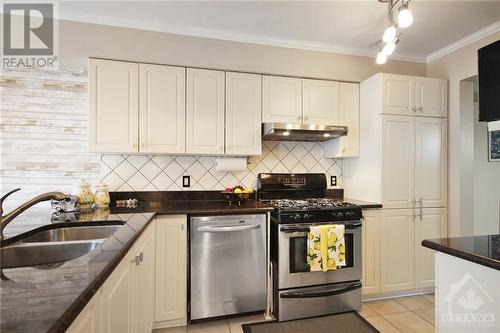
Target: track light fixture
(390, 39)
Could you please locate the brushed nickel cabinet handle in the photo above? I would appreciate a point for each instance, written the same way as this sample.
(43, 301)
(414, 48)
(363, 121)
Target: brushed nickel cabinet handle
(136, 261)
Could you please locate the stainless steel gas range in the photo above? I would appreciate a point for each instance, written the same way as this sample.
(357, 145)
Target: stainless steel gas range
(300, 201)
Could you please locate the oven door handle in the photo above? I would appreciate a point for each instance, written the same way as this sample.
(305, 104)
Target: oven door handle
(324, 293)
(286, 229)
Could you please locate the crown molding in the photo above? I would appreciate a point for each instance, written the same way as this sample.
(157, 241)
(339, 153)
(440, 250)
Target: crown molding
(232, 36)
(467, 40)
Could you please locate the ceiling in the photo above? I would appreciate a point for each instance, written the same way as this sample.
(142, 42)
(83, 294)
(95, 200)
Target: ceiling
(334, 26)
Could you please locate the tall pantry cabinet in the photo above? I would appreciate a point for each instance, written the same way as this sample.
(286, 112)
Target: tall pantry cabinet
(402, 164)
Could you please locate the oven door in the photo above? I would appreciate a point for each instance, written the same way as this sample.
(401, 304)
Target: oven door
(293, 270)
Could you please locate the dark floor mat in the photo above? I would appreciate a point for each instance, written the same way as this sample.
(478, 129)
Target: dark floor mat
(349, 322)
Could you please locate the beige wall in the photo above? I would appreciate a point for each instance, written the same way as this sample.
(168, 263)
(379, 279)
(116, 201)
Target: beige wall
(457, 66)
(78, 41)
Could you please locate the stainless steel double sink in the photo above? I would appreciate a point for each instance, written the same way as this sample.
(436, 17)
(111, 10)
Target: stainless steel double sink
(55, 244)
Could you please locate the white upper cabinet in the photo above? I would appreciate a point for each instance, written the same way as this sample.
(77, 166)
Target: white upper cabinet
(205, 112)
(281, 100)
(410, 95)
(162, 109)
(398, 162)
(431, 97)
(348, 145)
(430, 161)
(403, 157)
(320, 102)
(397, 94)
(243, 114)
(114, 103)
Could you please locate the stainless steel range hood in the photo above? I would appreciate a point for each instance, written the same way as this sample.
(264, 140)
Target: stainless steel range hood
(296, 132)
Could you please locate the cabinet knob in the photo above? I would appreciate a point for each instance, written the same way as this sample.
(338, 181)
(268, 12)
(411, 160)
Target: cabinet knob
(420, 108)
(141, 257)
(298, 117)
(306, 117)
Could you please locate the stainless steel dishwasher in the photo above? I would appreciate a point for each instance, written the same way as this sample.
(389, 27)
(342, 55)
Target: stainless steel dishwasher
(228, 265)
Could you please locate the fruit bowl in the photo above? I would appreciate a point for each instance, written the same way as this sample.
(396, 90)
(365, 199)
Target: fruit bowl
(237, 197)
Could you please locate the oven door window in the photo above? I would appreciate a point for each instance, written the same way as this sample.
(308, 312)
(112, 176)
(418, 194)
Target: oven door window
(298, 253)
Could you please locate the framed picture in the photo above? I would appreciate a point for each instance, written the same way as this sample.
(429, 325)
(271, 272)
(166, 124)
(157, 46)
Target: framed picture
(494, 146)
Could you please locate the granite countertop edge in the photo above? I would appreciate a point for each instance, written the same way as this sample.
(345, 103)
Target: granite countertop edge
(455, 252)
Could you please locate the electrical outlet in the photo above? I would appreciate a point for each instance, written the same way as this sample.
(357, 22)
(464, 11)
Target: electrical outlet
(333, 180)
(186, 181)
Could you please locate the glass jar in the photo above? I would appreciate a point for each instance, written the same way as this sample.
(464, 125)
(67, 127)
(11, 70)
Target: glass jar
(83, 191)
(101, 195)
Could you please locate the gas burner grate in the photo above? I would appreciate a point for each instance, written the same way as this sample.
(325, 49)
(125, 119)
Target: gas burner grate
(309, 203)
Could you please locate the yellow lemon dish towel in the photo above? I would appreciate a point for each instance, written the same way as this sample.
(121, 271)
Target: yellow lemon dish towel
(326, 247)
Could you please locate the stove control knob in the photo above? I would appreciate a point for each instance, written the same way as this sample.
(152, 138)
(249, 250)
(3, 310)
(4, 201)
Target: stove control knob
(348, 214)
(296, 217)
(307, 216)
(340, 215)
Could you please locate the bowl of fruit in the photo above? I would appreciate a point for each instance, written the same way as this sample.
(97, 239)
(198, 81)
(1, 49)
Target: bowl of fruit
(238, 194)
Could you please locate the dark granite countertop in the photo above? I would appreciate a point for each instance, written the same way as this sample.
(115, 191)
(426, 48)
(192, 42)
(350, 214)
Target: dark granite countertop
(482, 250)
(197, 207)
(49, 297)
(364, 204)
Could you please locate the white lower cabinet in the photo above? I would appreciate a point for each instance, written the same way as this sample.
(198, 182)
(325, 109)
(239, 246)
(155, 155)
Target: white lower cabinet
(393, 257)
(90, 318)
(371, 251)
(397, 249)
(432, 225)
(124, 303)
(171, 271)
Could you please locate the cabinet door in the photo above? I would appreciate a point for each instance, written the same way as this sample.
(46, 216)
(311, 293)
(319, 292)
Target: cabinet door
(118, 298)
(243, 114)
(398, 176)
(162, 109)
(320, 102)
(90, 318)
(431, 97)
(144, 281)
(171, 269)
(205, 112)
(371, 251)
(281, 100)
(431, 161)
(430, 225)
(398, 94)
(113, 109)
(397, 249)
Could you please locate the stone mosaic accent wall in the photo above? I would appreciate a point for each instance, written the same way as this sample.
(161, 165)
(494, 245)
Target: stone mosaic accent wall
(43, 132)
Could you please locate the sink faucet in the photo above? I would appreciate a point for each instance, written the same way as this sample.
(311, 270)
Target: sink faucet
(7, 218)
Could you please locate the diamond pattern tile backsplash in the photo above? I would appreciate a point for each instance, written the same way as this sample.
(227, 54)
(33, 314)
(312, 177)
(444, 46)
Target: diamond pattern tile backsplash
(164, 172)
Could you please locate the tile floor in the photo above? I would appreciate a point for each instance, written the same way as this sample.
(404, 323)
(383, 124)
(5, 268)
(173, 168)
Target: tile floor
(412, 314)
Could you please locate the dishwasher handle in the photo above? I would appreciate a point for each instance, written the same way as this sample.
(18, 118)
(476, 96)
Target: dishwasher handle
(228, 228)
